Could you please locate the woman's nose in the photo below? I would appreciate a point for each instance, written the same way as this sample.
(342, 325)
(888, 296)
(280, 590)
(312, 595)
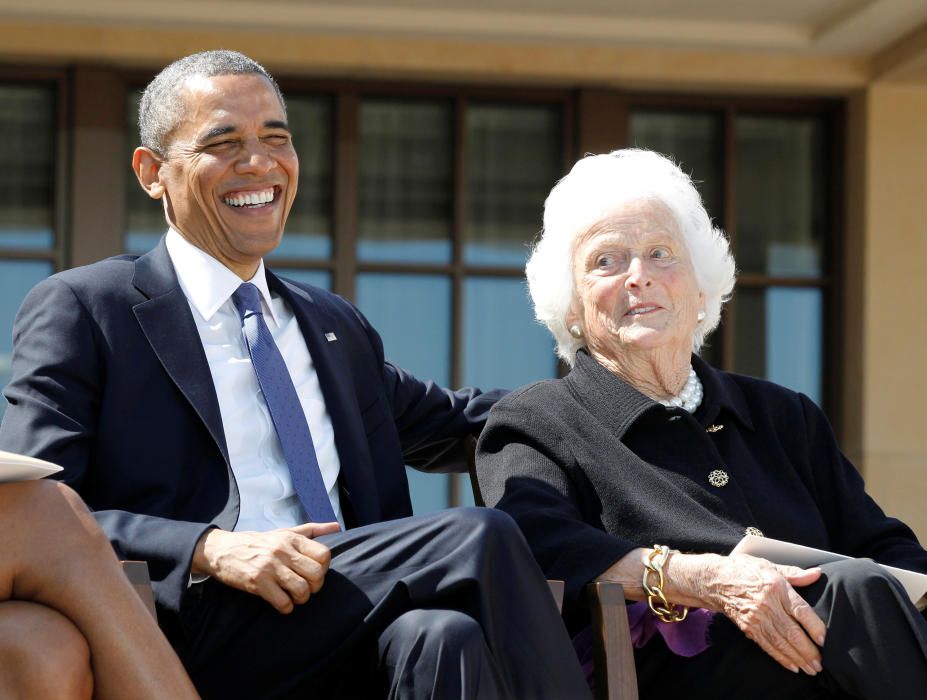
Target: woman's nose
(637, 274)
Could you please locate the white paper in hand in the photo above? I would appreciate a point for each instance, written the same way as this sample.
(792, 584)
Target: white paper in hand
(14, 467)
(780, 552)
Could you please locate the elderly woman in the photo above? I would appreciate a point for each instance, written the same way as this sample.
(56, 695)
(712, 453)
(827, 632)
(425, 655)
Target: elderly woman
(646, 465)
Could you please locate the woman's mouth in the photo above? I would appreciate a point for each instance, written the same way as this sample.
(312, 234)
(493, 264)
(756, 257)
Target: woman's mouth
(638, 310)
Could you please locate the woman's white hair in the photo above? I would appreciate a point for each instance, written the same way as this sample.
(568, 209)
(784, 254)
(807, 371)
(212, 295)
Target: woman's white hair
(596, 187)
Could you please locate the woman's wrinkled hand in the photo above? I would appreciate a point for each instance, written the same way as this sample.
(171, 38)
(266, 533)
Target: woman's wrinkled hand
(760, 598)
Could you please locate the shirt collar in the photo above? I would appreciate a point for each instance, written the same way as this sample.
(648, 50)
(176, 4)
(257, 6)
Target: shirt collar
(206, 282)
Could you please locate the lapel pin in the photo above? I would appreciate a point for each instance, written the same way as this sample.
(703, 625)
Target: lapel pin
(714, 428)
(330, 337)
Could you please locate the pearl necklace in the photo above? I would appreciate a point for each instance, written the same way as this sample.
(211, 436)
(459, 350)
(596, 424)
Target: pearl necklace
(690, 398)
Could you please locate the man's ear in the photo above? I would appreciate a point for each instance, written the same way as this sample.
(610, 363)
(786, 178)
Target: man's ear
(146, 164)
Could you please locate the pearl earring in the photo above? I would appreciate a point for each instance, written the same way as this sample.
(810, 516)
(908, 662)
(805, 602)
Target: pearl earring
(576, 331)
(700, 316)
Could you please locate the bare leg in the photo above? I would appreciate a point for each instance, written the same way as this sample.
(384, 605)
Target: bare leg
(55, 554)
(42, 655)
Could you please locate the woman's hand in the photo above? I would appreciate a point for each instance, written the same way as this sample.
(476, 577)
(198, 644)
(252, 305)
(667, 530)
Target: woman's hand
(760, 598)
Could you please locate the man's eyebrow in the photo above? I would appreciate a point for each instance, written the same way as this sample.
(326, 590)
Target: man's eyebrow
(215, 132)
(277, 124)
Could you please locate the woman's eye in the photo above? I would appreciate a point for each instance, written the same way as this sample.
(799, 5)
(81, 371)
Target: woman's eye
(660, 254)
(604, 261)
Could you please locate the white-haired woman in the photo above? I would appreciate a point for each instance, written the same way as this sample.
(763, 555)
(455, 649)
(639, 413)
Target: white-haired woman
(644, 451)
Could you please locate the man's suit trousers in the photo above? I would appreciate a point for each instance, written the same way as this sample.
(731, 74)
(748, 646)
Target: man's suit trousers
(875, 648)
(448, 605)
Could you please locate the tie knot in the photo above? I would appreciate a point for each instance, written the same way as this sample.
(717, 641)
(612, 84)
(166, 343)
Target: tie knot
(247, 300)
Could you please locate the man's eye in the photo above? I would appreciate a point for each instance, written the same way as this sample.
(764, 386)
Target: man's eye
(220, 145)
(277, 139)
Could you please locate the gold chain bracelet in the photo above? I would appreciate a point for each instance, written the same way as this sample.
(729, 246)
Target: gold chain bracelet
(656, 599)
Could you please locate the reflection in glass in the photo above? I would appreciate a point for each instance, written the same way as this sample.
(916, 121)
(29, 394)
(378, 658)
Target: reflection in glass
(695, 140)
(405, 181)
(309, 228)
(412, 314)
(503, 345)
(513, 158)
(145, 222)
(778, 337)
(317, 278)
(16, 279)
(27, 172)
(781, 195)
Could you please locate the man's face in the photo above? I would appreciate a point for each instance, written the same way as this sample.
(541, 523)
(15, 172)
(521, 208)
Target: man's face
(230, 171)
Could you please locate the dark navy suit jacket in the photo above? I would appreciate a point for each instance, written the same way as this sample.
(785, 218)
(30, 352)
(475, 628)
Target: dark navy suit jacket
(111, 382)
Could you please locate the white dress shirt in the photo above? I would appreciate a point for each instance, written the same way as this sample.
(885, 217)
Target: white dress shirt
(268, 499)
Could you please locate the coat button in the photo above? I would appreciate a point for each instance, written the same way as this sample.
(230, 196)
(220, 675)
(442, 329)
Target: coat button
(718, 478)
(755, 531)
(714, 428)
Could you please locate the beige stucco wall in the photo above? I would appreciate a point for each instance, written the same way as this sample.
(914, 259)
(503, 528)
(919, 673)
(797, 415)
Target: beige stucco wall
(894, 298)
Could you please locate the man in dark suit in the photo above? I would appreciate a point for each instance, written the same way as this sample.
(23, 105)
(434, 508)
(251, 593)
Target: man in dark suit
(244, 435)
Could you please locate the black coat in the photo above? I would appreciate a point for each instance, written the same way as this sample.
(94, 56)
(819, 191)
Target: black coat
(590, 469)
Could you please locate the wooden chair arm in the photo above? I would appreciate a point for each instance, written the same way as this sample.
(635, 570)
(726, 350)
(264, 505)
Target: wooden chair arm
(137, 573)
(613, 653)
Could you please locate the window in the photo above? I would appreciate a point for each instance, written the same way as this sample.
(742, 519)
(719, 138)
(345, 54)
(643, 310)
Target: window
(29, 246)
(765, 173)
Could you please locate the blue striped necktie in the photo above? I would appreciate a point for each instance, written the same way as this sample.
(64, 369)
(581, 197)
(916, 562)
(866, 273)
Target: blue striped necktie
(283, 404)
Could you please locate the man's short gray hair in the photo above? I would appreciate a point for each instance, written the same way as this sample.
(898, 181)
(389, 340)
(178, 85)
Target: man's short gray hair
(596, 187)
(162, 107)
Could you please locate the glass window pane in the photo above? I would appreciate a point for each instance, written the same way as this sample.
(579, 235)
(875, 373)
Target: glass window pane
(781, 195)
(145, 222)
(695, 140)
(514, 157)
(16, 279)
(503, 345)
(318, 278)
(406, 181)
(309, 227)
(412, 313)
(27, 166)
(778, 336)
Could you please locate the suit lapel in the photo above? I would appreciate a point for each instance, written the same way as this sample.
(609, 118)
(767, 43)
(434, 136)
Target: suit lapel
(167, 322)
(336, 380)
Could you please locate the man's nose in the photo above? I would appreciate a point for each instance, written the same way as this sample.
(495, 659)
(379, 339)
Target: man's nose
(254, 158)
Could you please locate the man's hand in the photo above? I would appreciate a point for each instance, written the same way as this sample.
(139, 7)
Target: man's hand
(284, 567)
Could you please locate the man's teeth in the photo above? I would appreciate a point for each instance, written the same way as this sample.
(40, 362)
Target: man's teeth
(251, 199)
(641, 310)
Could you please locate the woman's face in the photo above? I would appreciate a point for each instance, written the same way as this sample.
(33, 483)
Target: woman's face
(636, 288)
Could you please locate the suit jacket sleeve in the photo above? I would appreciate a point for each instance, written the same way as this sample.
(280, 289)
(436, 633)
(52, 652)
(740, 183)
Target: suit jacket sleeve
(54, 397)
(525, 468)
